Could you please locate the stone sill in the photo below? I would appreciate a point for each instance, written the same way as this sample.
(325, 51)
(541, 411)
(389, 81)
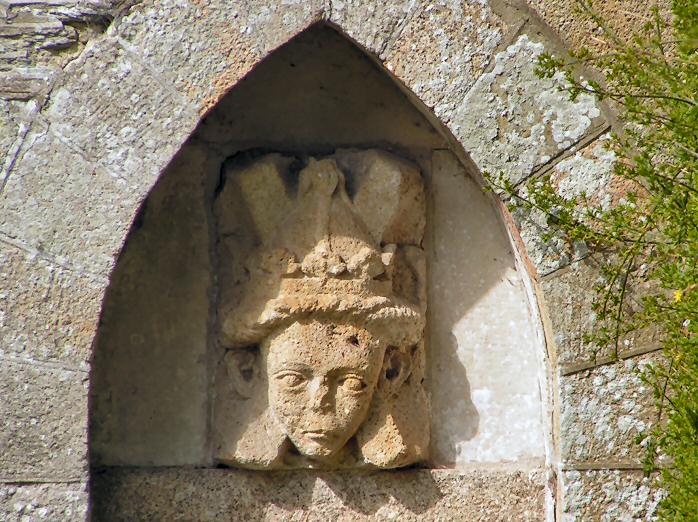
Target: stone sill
(409, 494)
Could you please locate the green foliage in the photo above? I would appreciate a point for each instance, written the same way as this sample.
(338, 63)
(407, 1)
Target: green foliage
(650, 234)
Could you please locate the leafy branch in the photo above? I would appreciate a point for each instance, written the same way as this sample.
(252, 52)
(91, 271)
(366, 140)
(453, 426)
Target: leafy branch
(649, 236)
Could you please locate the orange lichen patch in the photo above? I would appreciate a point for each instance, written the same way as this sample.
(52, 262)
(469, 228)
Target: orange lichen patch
(619, 188)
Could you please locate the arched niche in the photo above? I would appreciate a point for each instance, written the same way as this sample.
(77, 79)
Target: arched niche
(151, 402)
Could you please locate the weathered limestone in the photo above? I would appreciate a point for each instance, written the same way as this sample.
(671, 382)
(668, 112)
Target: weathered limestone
(58, 327)
(150, 368)
(569, 305)
(413, 495)
(587, 170)
(68, 213)
(37, 39)
(442, 49)
(61, 501)
(27, 83)
(321, 324)
(373, 24)
(603, 412)
(481, 333)
(569, 308)
(204, 60)
(623, 16)
(113, 85)
(609, 495)
(177, 52)
(513, 122)
(14, 123)
(43, 422)
(352, 105)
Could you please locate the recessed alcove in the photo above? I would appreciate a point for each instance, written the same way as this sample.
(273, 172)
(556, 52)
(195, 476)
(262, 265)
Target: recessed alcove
(154, 363)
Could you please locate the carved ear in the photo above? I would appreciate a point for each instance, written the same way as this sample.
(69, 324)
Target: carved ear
(242, 367)
(397, 366)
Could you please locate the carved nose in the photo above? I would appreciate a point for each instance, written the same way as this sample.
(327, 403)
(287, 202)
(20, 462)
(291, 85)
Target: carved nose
(319, 395)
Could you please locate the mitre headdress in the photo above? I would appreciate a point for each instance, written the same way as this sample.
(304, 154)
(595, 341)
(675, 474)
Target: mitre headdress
(321, 252)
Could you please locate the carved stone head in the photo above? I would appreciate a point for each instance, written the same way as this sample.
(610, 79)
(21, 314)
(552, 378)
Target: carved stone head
(321, 313)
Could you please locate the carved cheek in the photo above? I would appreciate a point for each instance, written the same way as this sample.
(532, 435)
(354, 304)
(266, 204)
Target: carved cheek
(350, 404)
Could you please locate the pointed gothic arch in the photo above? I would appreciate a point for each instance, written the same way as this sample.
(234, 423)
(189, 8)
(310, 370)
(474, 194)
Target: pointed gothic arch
(153, 365)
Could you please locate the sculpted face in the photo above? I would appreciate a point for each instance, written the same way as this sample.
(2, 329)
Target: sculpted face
(321, 380)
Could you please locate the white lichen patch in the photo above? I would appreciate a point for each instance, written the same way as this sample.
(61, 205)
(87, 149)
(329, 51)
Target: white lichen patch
(588, 172)
(512, 121)
(43, 502)
(569, 120)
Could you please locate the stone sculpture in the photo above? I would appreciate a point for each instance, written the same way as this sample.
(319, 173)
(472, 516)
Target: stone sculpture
(321, 311)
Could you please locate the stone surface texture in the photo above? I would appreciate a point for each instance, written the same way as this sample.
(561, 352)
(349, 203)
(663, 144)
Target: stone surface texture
(413, 495)
(603, 412)
(374, 25)
(43, 412)
(153, 332)
(97, 96)
(569, 305)
(14, 119)
(585, 169)
(442, 49)
(623, 17)
(67, 209)
(37, 39)
(204, 59)
(49, 312)
(30, 502)
(610, 495)
(470, 347)
(524, 120)
(106, 81)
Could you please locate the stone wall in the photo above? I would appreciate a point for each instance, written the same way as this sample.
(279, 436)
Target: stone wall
(97, 97)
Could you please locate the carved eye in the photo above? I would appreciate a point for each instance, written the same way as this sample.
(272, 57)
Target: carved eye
(290, 379)
(352, 384)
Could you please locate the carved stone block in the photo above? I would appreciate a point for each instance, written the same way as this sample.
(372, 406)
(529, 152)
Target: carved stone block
(320, 315)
